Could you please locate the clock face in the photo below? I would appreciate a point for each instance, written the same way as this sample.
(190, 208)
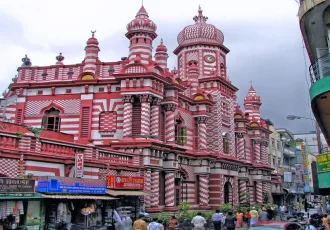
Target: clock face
(209, 58)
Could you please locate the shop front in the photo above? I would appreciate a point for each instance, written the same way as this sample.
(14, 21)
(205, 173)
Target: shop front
(19, 204)
(75, 203)
(130, 193)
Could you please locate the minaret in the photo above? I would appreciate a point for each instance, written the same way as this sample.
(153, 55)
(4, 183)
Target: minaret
(252, 103)
(92, 51)
(161, 55)
(141, 33)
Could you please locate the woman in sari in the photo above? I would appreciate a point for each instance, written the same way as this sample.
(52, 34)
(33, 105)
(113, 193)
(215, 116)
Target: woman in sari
(239, 217)
(173, 223)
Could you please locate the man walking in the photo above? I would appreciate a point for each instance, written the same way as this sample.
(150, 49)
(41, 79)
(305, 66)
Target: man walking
(198, 222)
(217, 219)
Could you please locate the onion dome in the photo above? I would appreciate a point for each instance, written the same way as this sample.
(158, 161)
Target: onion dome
(141, 23)
(200, 32)
(59, 59)
(252, 97)
(26, 61)
(93, 40)
(161, 48)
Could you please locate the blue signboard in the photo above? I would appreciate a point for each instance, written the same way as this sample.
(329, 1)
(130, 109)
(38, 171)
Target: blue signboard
(52, 184)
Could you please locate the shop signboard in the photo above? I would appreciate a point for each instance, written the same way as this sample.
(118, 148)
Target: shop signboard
(323, 162)
(79, 165)
(125, 182)
(52, 184)
(11, 185)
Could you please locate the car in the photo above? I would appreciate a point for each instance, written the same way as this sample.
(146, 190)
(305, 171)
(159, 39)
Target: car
(273, 225)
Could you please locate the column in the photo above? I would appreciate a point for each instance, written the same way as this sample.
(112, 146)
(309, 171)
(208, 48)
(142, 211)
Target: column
(204, 190)
(155, 188)
(242, 191)
(154, 118)
(257, 151)
(202, 133)
(169, 120)
(145, 114)
(251, 193)
(147, 187)
(259, 194)
(265, 152)
(169, 189)
(128, 106)
(240, 145)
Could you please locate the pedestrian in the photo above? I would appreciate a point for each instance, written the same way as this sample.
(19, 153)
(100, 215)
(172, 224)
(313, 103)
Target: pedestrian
(263, 215)
(248, 217)
(239, 218)
(140, 224)
(282, 211)
(161, 226)
(154, 225)
(325, 222)
(290, 209)
(230, 221)
(198, 222)
(254, 216)
(173, 223)
(217, 219)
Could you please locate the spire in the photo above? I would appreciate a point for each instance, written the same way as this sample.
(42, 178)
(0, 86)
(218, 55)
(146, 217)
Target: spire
(200, 18)
(26, 61)
(142, 11)
(91, 57)
(161, 55)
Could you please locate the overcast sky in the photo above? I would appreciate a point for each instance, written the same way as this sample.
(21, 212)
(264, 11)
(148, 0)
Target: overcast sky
(263, 36)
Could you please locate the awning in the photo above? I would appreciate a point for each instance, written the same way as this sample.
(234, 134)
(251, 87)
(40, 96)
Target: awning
(20, 196)
(77, 197)
(127, 193)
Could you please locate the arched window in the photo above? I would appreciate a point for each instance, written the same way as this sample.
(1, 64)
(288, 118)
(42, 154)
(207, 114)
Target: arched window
(180, 133)
(228, 192)
(51, 120)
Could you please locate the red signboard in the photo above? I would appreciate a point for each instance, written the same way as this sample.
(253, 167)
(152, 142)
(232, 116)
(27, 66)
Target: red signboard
(79, 165)
(125, 182)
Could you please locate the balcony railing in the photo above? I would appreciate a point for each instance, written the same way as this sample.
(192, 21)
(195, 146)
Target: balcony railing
(320, 68)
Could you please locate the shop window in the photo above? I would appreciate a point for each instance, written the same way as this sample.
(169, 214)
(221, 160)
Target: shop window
(225, 145)
(180, 133)
(51, 120)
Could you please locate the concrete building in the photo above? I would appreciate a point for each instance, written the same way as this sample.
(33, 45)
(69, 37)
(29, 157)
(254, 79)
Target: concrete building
(182, 130)
(310, 140)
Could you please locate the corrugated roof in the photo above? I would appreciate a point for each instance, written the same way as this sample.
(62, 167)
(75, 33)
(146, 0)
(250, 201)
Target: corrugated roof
(77, 197)
(127, 193)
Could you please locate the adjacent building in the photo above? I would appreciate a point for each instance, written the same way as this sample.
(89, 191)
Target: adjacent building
(181, 129)
(310, 140)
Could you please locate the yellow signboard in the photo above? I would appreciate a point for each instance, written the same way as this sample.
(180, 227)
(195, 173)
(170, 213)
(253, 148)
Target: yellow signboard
(323, 162)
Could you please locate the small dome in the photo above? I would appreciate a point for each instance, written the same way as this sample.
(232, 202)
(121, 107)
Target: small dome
(141, 22)
(161, 48)
(93, 40)
(200, 32)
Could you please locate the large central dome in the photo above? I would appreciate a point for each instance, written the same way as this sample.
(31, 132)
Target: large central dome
(200, 32)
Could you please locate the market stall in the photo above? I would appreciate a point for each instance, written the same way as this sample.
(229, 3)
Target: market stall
(75, 203)
(19, 204)
(129, 191)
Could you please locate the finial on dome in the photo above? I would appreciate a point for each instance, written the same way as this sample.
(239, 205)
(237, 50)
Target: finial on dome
(161, 41)
(26, 61)
(59, 59)
(93, 33)
(200, 9)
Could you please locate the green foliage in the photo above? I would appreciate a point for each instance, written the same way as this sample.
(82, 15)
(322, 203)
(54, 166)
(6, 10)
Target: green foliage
(226, 208)
(243, 208)
(184, 209)
(20, 134)
(164, 217)
(29, 175)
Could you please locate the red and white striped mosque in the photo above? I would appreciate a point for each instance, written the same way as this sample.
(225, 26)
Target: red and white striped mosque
(181, 129)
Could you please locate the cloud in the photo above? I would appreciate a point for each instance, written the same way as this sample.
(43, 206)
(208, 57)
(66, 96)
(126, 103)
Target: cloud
(263, 36)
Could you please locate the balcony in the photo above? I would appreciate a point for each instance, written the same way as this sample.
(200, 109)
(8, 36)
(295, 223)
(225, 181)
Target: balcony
(320, 93)
(288, 152)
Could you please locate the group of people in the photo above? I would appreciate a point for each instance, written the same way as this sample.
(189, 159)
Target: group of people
(155, 224)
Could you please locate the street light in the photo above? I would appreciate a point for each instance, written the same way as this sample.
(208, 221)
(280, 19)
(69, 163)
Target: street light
(294, 117)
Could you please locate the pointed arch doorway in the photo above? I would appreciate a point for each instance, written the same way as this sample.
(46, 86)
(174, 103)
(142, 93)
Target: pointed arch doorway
(228, 193)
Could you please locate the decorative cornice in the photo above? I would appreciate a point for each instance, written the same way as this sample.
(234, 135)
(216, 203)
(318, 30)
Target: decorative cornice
(128, 98)
(202, 120)
(170, 107)
(240, 134)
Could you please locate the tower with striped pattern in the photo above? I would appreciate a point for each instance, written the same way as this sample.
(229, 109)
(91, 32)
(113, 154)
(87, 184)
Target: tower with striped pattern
(141, 32)
(252, 103)
(161, 55)
(92, 54)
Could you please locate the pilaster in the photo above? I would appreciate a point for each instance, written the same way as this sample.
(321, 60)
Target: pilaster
(154, 118)
(169, 120)
(145, 114)
(202, 133)
(128, 106)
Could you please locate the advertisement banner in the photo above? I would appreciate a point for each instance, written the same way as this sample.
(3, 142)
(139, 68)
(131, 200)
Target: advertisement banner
(52, 184)
(125, 182)
(11, 185)
(288, 177)
(79, 165)
(323, 162)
